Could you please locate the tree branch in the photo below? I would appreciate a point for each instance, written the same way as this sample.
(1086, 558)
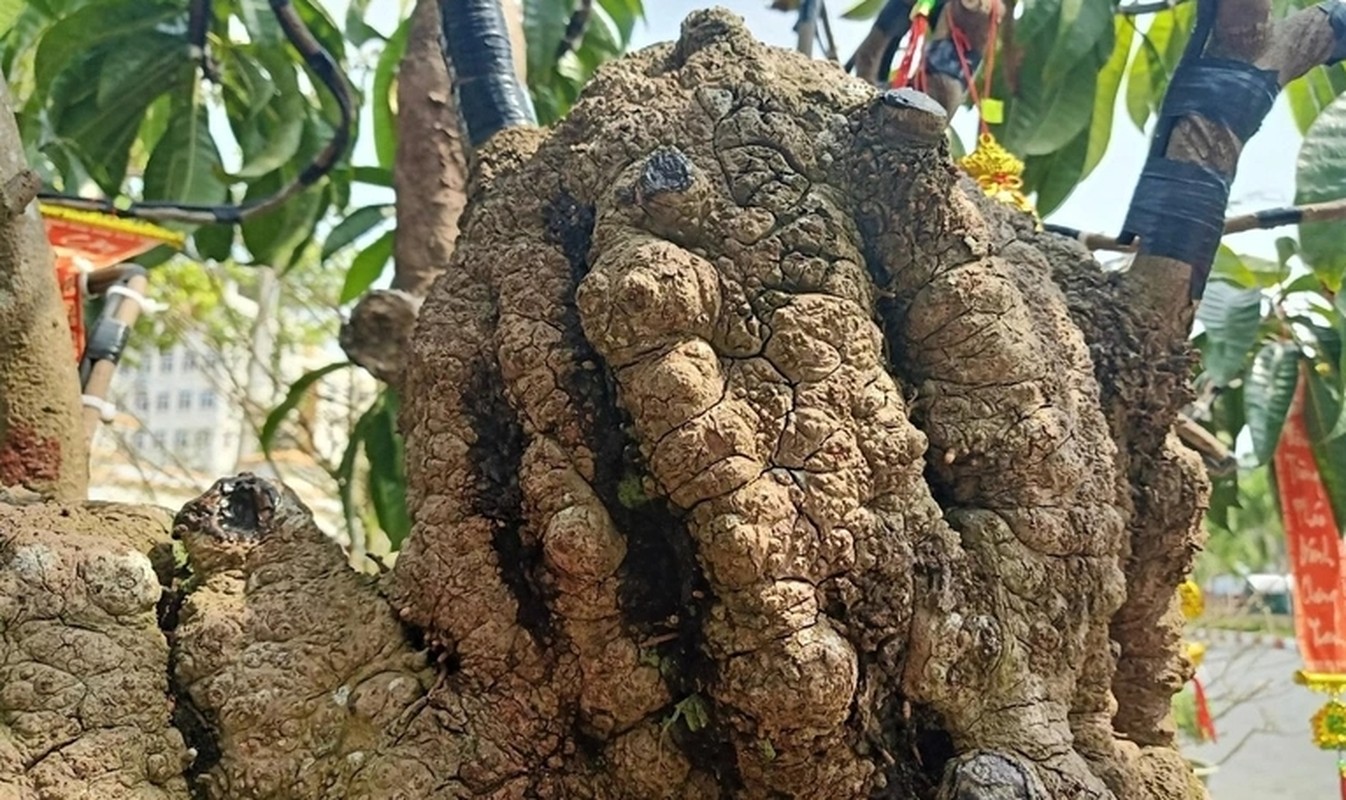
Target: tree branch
(1266, 219)
(41, 443)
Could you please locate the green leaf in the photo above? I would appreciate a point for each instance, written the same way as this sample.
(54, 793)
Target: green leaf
(1326, 423)
(1141, 97)
(276, 237)
(374, 176)
(1231, 317)
(1082, 24)
(121, 21)
(260, 23)
(1055, 176)
(385, 121)
(544, 24)
(624, 14)
(367, 267)
(215, 242)
(185, 166)
(1321, 176)
(1105, 95)
(1247, 271)
(358, 223)
(298, 391)
(1267, 395)
(387, 471)
(9, 14)
(865, 9)
(357, 30)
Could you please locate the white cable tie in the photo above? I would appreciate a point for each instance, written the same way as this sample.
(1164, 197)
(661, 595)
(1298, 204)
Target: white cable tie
(147, 306)
(107, 411)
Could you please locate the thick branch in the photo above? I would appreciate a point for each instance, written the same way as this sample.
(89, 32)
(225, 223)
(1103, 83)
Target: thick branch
(41, 447)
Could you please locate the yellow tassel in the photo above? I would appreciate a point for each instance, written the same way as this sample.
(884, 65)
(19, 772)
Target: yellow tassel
(1329, 726)
(1196, 653)
(998, 173)
(1192, 601)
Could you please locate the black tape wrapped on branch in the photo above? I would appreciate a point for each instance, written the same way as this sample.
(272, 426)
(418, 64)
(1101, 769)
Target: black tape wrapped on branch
(1336, 17)
(477, 50)
(323, 66)
(1178, 206)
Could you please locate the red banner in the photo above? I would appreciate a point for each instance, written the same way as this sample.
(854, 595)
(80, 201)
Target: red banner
(84, 241)
(1315, 545)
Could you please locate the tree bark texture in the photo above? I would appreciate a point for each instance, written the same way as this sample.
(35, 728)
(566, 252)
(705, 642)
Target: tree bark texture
(753, 453)
(42, 445)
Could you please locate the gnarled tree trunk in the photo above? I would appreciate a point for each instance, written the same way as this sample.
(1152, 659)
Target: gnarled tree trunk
(754, 453)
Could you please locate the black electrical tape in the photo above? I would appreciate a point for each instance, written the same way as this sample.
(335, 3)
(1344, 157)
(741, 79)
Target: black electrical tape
(1336, 17)
(1206, 85)
(1062, 230)
(106, 342)
(1178, 212)
(1276, 217)
(476, 44)
(942, 59)
(808, 12)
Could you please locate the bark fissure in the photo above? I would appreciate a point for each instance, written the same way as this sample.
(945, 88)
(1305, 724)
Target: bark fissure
(496, 453)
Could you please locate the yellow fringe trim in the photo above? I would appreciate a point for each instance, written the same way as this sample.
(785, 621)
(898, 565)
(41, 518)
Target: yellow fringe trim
(98, 219)
(998, 173)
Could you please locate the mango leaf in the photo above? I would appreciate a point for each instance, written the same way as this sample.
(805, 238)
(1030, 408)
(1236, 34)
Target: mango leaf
(1319, 176)
(1269, 389)
(185, 166)
(1323, 416)
(1080, 27)
(298, 391)
(544, 24)
(277, 237)
(215, 242)
(374, 176)
(1247, 271)
(1105, 94)
(1055, 176)
(356, 224)
(367, 267)
(120, 23)
(387, 470)
(327, 32)
(357, 30)
(1314, 91)
(385, 121)
(865, 9)
(260, 23)
(1231, 317)
(1142, 91)
(624, 14)
(9, 14)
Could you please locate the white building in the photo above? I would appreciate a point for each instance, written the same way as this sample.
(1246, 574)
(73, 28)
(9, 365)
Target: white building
(191, 414)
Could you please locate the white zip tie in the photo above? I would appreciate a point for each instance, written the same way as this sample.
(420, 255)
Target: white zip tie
(107, 411)
(147, 306)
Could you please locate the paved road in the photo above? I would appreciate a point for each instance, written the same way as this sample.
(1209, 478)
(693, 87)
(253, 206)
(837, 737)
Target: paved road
(1262, 722)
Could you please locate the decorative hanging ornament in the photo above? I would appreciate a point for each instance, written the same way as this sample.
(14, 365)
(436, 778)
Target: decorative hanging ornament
(1318, 563)
(1193, 604)
(84, 241)
(998, 172)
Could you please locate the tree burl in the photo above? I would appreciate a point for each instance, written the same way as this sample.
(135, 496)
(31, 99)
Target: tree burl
(753, 453)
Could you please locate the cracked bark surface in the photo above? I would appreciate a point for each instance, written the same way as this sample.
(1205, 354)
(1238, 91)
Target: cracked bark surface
(753, 453)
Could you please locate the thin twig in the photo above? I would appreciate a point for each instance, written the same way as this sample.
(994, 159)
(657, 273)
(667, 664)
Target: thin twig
(1258, 220)
(830, 49)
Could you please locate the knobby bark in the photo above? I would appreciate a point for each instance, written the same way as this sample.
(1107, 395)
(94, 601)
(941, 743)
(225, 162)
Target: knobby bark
(753, 453)
(42, 445)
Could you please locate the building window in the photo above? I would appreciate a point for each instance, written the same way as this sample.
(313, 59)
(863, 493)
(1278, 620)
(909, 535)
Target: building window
(184, 399)
(161, 401)
(142, 401)
(166, 361)
(180, 439)
(207, 398)
(203, 439)
(189, 362)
